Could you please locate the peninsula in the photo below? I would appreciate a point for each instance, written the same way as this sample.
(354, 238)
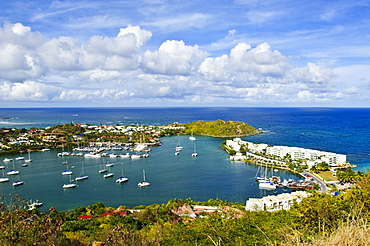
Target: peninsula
(218, 128)
(75, 134)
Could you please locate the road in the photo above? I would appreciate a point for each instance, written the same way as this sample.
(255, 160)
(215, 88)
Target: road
(323, 187)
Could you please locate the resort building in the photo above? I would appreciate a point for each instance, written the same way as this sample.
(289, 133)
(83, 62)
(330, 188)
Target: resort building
(295, 153)
(274, 203)
(306, 154)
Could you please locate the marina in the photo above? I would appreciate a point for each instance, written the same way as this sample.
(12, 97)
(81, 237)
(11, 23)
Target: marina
(209, 175)
(170, 176)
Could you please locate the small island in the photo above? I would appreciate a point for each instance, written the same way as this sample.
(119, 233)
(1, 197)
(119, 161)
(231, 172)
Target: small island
(218, 128)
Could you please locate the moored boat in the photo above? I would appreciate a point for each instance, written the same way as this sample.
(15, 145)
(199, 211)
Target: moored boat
(267, 185)
(144, 182)
(122, 179)
(4, 179)
(108, 175)
(12, 172)
(16, 183)
(70, 185)
(32, 205)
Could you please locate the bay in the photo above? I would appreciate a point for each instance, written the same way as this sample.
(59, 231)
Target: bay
(209, 176)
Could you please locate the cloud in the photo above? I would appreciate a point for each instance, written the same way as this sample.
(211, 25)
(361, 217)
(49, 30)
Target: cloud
(107, 69)
(246, 65)
(259, 17)
(182, 22)
(19, 59)
(61, 53)
(28, 91)
(172, 58)
(109, 53)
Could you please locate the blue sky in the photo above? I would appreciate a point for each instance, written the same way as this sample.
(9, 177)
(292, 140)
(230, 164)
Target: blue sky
(246, 53)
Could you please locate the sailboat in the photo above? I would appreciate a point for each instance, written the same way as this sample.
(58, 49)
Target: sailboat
(265, 183)
(16, 183)
(179, 147)
(144, 182)
(108, 175)
(3, 178)
(13, 171)
(32, 205)
(67, 172)
(102, 170)
(195, 154)
(82, 176)
(19, 158)
(192, 136)
(70, 184)
(109, 164)
(29, 157)
(258, 175)
(122, 178)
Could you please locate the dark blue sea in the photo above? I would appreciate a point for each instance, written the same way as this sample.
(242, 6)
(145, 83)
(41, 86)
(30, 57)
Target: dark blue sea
(209, 176)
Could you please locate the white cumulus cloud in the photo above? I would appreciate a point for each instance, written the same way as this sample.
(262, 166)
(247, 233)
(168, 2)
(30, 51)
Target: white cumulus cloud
(172, 58)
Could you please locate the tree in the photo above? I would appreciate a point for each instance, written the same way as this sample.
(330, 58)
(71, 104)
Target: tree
(323, 166)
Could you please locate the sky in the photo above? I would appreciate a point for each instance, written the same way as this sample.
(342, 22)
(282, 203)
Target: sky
(203, 53)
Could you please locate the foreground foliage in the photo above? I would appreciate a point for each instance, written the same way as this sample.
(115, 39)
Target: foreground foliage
(320, 219)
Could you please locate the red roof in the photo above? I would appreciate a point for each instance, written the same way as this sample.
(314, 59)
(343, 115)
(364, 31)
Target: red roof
(104, 214)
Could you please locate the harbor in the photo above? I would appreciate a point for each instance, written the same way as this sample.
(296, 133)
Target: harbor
(209, 175)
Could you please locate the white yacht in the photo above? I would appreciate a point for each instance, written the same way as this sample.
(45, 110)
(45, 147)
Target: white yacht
(32, 205)
(108, 175)
(3, 178)
(127, 155)
(12, 172)
(194, 154)
(16, 183)
(122, 179)
(144, 182)
(82, 176)
(102, 170)
(135, 156)
(192, 138)
(29, 157)
(70, 185)
(67, 172)
(267, 185)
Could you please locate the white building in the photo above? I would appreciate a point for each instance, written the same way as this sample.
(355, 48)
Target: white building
(295, 153)
(307, 154)
(274, 203)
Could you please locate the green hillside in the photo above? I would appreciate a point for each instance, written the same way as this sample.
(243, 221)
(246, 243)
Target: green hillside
(220, 128)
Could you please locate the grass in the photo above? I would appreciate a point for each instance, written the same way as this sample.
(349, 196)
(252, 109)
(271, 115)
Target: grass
(327, 176)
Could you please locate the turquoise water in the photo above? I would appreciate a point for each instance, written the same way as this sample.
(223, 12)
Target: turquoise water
(209, 176)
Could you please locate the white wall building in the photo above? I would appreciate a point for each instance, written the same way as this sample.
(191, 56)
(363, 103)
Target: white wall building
(296, 153)
(307, 154)
(274, 203)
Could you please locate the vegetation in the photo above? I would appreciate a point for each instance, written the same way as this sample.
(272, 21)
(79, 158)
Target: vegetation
(220, 128)
(320, 219)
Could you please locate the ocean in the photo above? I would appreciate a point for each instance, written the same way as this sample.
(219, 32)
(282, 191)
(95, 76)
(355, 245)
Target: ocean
(209, 176)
